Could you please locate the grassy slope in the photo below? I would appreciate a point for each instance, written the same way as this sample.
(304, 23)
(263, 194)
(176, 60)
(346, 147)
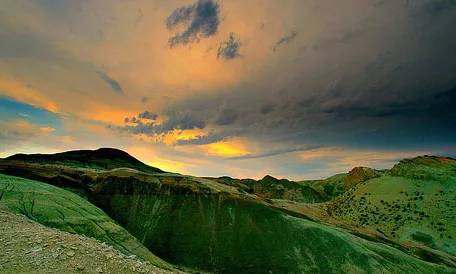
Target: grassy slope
(413, 201)
(66, 211)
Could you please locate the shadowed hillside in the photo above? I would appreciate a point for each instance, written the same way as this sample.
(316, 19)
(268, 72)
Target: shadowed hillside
(103, 159)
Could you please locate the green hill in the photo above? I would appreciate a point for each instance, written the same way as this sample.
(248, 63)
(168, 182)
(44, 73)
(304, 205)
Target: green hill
(58, 208)
(414, 201)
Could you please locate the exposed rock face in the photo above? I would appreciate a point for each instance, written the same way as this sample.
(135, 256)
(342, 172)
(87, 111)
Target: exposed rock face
(360, 174)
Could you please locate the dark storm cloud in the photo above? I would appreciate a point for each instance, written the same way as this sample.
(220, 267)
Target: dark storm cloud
(273, 153)
(433, 8)
(212, 137)
(183, 122)
(344, 36)
(227, 117)
(229, 49)
(151, 128)
(201, 21)
(284, 40)
(267, 109)
(364, 82)
(148, 115)
(115, 86)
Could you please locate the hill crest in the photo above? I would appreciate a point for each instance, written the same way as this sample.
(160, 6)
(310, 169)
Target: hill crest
(102, 158)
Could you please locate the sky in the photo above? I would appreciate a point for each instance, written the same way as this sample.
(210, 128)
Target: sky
(298, 89)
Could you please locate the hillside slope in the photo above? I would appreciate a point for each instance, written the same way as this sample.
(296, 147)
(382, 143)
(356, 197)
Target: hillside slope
(414, 201)
(29, 247)
(57, 208)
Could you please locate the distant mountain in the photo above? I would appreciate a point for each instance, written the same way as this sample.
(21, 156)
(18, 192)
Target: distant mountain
(272, 188)
(102, 159)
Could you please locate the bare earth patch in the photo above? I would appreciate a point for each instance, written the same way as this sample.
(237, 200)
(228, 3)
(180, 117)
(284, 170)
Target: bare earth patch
(29, 247)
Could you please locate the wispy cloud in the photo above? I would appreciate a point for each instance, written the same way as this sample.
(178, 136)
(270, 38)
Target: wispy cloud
(115, 86)
(285, 40)
(273, 153)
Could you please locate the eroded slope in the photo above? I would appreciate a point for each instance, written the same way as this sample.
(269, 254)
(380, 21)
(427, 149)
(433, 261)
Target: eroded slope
(58, 208)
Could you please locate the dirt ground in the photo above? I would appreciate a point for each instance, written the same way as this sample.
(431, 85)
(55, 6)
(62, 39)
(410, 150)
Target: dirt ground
(29, 247)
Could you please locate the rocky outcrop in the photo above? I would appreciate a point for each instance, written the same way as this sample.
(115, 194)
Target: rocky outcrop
(359, 175)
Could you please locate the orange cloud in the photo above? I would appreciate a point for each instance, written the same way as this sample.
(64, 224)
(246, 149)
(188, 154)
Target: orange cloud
(15, 89)
(66, 139)
(229, 148)
(47, 130)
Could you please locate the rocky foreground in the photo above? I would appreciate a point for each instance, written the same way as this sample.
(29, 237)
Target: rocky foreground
(29, 247)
